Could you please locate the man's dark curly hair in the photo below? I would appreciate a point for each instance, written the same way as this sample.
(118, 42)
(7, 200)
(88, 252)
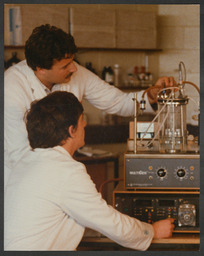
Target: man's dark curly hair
(47, 43)
(48, 119)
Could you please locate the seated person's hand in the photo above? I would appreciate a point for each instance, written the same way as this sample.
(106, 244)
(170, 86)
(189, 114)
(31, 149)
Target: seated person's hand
(163, 228)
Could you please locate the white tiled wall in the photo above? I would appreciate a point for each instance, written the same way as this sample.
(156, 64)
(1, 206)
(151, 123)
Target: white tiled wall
(179, 37)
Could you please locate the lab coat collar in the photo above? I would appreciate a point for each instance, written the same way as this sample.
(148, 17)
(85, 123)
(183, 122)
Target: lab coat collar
(38, 89)
(62, 150)
(59, 149)
(34, 83)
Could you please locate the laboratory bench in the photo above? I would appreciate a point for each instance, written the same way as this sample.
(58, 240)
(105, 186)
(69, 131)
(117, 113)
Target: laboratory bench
(178, 242)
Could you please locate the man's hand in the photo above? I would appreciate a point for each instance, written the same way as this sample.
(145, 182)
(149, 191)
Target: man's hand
(162, 82)
(165, 81)
(163, 228)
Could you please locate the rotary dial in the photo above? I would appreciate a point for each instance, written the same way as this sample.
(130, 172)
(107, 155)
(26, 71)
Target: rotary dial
(161, 172)
(181, 172)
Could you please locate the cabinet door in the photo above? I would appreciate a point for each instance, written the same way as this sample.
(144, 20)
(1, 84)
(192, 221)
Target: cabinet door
(93, 28)
(135, 30)
(34, 15)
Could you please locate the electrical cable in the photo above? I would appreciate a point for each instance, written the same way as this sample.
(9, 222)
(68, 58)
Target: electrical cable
(108, 181)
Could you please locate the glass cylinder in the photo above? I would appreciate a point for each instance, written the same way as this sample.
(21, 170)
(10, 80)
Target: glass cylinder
(172, 121)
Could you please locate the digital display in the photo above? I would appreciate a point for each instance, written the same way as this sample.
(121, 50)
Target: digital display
(166, 202)
(143, 202)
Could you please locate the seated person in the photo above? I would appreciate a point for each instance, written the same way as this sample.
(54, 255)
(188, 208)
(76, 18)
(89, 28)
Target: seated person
(50, 198)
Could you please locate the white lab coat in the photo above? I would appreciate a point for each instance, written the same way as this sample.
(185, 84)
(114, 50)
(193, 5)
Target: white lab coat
(22, 87)
(50, 199)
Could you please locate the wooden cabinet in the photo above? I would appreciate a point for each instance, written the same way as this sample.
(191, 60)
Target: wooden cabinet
(135, 30)
(116, 29)
(93, 28)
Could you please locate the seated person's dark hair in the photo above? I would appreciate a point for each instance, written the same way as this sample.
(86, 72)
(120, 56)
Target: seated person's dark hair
(48, 119)
(47, 43)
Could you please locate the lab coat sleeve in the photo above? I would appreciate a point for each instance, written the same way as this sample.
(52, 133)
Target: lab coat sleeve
(16, 102)
(107, 97)
(84, 204)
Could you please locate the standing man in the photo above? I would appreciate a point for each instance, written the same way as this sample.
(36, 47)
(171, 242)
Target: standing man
(50, 66)
(50, 198)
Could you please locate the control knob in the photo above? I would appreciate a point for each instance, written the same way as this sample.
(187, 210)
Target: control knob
(161, 172)
(181, 172)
